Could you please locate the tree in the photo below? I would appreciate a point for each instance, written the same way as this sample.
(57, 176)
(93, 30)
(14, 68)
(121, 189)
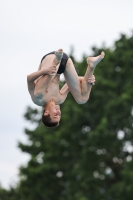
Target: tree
(10, 194)
(89, 156)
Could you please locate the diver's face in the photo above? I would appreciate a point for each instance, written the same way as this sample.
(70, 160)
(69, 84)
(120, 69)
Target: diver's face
(54, 111)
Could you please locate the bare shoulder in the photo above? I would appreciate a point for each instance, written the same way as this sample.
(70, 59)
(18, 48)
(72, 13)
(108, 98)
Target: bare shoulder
(37, 101)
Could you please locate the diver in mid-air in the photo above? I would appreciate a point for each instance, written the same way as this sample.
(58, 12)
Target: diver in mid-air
(43, 85)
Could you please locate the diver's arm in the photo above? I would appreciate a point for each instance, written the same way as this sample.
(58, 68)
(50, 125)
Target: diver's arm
(51, 70)
(64, 90)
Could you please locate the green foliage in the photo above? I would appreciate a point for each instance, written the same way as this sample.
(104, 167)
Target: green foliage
(89, 156)
(10, 194)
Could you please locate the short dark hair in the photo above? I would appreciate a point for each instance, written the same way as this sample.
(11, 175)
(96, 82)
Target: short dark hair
(46, 120)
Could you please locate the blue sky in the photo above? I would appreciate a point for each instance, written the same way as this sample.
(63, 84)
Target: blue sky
(30, 29)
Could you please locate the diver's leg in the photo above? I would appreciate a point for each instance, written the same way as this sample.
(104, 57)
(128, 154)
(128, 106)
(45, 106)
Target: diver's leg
(81, 90)
(51, 60)
(72, 80)
(92, 62)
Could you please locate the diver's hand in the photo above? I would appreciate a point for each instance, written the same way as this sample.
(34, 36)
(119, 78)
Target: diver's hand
(51, 70)
(91, 80)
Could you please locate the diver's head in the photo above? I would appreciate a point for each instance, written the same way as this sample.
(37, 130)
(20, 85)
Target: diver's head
(52, 114)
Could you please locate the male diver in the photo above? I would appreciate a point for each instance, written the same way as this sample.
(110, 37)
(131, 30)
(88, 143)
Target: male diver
(43, 85)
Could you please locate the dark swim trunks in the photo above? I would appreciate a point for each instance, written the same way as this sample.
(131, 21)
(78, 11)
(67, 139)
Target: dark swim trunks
(62, 64)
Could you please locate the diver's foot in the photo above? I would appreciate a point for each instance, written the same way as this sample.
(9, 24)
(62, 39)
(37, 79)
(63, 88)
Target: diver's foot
(59, 54)
(93, 61)
(58, 57)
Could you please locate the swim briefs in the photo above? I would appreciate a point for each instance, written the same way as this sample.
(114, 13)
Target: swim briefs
(62, 64)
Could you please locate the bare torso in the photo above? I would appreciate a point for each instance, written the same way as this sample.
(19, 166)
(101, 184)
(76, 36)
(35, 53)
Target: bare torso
(47, 89)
